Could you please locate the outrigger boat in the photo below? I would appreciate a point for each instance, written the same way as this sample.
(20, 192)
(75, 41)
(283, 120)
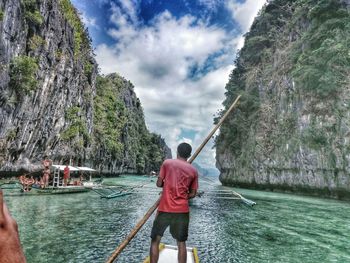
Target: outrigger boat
(108, 192)
(168, 254)
(56, 190)
(116, 190)
(57, 186)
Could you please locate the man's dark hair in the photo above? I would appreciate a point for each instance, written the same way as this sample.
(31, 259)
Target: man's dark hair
(184, 150)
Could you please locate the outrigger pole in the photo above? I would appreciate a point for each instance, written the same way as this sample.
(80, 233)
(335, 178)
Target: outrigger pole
(150, 211)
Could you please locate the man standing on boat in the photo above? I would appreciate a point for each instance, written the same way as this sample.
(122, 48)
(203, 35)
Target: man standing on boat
(179, 180)
(46, 172)
(66, 175)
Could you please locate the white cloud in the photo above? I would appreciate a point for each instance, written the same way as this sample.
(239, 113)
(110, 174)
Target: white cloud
(130, 8)
(210, 4)
(158, 59)
(88, 21)
(244, 13)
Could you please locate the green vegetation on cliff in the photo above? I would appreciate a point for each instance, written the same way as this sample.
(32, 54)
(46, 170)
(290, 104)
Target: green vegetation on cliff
(293, 75)
(76, 132)
(120, 132)
(323, 65)
(32, 13)
(22, 75)
(36, 42)
(81, 37)
(109, 116)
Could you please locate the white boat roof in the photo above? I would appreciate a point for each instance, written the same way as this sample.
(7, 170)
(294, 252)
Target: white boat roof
(86, 169)
(169, 255)
(61, 167)
(73, 168)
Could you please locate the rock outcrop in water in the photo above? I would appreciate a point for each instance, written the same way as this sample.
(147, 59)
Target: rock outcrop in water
(291, 130)
(51, 96)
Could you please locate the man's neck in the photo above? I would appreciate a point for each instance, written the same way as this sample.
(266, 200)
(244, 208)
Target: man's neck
(182, 159)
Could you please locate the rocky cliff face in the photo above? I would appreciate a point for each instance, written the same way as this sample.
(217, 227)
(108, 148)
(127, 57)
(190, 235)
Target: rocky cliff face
(291, 130)
(48, 90)
(118, 114)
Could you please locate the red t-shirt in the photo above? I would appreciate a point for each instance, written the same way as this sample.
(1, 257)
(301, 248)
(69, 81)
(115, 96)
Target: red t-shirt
(179, 177)
(66, 172)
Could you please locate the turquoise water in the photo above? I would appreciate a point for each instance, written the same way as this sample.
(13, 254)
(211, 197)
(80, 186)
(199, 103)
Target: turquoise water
(280, 228)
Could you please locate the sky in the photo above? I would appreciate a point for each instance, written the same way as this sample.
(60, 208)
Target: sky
(177, 53)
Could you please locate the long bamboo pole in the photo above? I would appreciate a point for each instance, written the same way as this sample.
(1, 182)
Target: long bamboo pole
(150, 211)
(214, 130)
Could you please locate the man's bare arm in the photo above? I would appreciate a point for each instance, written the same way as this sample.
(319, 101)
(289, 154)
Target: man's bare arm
(192, 193)
(160, 182)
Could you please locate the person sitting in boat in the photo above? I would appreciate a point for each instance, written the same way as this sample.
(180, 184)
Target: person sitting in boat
(22, 179)
(23, 182)
(36, 183)
(30, 183)
(26, 183)
(179, 180)
(41, 182)
(66, 175)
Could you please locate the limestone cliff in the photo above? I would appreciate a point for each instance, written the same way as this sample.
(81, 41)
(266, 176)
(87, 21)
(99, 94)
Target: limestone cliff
(48, 93)
(291, 130)
(118, 114)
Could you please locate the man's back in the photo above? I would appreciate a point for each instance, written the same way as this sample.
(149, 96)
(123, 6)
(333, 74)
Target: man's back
(179, 177)
(179, 180)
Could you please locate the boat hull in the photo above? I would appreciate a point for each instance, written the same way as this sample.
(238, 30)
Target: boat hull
(56, 190)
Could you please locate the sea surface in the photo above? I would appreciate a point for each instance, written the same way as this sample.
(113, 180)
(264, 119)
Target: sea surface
(279, 228)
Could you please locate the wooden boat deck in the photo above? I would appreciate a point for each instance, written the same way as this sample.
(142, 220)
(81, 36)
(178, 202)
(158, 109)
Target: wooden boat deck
(168, 254)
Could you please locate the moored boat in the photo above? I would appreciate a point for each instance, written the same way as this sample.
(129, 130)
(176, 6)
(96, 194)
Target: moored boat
(56, 190)
(58, 186)
(10, 185)
(168, 254)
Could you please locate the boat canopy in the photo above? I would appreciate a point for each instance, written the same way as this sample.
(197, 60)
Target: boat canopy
(87, 169)
(73, 168)
(61, 167)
